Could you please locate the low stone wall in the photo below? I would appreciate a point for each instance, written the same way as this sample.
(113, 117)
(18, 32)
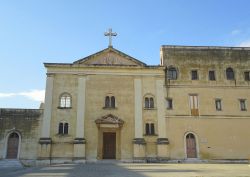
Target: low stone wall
(24, 122)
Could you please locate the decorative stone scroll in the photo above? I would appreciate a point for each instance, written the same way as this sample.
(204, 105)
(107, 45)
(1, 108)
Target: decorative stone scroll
(109, 119)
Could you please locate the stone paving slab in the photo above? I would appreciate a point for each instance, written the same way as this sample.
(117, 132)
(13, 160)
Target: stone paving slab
(132, 170)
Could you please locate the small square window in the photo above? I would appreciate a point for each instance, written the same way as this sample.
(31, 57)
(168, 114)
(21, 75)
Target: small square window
(172, 73)
(169, 103)
(194, 75)
(218, 105)
(247, 76)
(243, 105)
(212, 75)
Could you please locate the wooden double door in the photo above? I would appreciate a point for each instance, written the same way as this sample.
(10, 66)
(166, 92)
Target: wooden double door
(109, 145)
(12, 146)
(191, 146)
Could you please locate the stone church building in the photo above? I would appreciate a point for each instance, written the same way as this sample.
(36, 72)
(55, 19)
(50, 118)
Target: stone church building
(109, 105)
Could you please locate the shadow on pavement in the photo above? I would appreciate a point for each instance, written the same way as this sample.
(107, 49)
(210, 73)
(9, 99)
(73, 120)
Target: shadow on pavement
(93, 170)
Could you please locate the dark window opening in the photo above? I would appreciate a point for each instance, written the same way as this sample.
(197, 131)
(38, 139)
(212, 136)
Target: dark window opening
(212, 75)
(112, 102)
(147, 129)
(60, 130)
(247, 76)
(172, 74)
(149, 102)
(150, 129)
(66, 127)
(109, 102)
(243, 105)
(146, 102)
(218, 105)
(230, 74)
(63, 128)
(194, 75)
(169, 103)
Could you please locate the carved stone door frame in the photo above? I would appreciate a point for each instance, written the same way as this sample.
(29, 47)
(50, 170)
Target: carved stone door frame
(17, 144)
(191, 145)
(109, 124)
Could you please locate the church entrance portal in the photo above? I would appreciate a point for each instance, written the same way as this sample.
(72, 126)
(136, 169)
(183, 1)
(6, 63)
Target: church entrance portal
(191, 146)
(12, 146)
(109, 137)
(109, 145)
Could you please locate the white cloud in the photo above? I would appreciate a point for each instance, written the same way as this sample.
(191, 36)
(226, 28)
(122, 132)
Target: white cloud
(245, 43)
(235, 32)
(35, 95)
(2, 95)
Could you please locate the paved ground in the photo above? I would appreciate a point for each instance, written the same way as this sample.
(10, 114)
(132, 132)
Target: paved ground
(132, 170)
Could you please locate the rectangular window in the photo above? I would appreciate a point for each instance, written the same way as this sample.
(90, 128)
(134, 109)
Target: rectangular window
(212, 75)
(218, 105)
(243, 105)
(67, 102)
(193, 99)
(247, 76)
(169, 103)
(194, 75)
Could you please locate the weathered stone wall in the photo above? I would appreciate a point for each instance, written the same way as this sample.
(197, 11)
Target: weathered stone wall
(204, 59)
(26, 122)
(219, 134)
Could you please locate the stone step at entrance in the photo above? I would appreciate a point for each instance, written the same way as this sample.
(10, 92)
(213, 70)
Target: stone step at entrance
(7, 163)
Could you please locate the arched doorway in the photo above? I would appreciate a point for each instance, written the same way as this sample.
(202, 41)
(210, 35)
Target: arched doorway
(12, 146)
(191, 146)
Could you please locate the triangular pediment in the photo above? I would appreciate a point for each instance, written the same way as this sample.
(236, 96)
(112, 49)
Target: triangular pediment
(109, 57)
(109, 119)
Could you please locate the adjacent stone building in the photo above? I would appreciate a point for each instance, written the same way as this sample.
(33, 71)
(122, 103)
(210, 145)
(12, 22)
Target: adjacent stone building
(19, 134)
(210, 102)
(109, 105)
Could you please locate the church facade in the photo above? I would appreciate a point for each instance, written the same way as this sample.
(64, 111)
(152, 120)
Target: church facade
(109, 105)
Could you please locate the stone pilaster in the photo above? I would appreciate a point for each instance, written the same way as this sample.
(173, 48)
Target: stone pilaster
(139, 142)
(47, 107)
(79, 142)
(79, 150)
(162, 141)
(44, 152)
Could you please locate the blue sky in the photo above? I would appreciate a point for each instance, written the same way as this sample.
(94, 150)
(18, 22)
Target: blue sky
(33, 32)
